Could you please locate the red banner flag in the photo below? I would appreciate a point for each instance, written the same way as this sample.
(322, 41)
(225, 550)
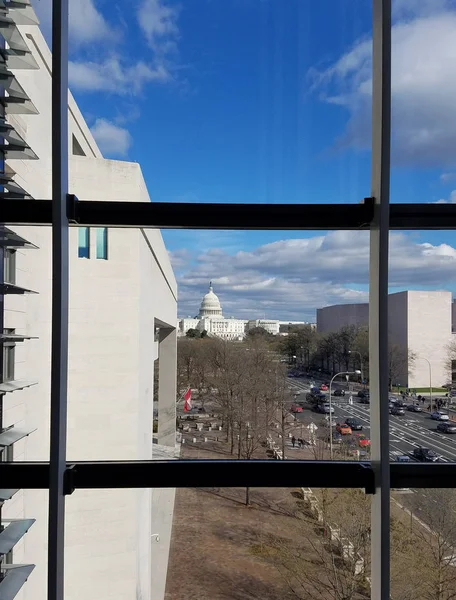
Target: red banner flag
(188, 400)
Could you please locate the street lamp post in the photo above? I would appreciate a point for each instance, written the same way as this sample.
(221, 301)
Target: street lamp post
(360, 362)
(430, 379)
(357, 372)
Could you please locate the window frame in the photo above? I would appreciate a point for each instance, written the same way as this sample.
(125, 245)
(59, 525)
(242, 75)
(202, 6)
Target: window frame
(101, 237)
(9, 266)
(84, 248)
(375, 214)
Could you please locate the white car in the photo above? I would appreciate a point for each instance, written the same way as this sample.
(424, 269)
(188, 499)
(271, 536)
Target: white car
(439, 416)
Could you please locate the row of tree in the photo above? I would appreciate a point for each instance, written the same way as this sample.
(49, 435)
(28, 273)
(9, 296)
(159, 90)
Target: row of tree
(422, 556)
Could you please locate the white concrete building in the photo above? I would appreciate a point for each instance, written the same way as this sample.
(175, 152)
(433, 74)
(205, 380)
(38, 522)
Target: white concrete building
(270, 325)
(122, 318)
(420, 323)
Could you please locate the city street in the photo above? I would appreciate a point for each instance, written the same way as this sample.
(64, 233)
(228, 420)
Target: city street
(406, 432)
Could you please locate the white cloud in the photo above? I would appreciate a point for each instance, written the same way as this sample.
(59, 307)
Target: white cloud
(86, 23)
(158, 21)
(111, 139)
(451, 199)
(290, 278)
(114, 76)
(423, 86)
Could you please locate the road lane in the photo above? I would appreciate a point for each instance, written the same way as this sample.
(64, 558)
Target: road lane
(406, 432)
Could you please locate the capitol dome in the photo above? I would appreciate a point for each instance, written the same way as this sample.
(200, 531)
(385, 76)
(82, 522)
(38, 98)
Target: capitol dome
(210, 305)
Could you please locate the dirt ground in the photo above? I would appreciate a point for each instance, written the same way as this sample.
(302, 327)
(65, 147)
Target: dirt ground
(216, 539)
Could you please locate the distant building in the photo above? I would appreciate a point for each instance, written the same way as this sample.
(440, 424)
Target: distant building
(420, 323)
(270, 325)
(284, 326)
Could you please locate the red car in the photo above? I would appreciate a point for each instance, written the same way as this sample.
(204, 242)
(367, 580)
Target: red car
(363, 442)
(324, 387)
(296, 408)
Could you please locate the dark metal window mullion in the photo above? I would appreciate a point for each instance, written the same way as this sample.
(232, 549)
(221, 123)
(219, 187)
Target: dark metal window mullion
(60, 290)
(378, 298)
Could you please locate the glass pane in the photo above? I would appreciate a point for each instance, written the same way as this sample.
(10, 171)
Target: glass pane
(423, 113)
(84, 242)
(262, 361)
(421, 347)
(286, 543)
(261, 119)
(422, 543)
(102, 242)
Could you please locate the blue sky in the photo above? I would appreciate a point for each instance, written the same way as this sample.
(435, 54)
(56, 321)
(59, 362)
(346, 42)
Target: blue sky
(269, 101)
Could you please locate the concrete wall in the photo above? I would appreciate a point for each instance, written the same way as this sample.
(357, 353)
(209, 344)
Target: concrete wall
(332, 318)
(115, 306)
(429, 333)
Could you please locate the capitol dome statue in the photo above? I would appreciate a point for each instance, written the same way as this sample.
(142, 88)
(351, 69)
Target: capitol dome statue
(210, 305)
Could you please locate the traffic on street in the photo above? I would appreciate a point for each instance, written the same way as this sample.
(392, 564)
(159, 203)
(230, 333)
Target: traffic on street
(414, 432)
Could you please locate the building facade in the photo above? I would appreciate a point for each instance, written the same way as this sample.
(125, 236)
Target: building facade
(420, 327)
(123, 297)
(270, 325)
(211, 320)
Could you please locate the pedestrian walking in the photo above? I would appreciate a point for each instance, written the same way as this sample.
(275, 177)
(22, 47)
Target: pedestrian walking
(428, 408)
(299, 442)
(350, 400)
(293, 441)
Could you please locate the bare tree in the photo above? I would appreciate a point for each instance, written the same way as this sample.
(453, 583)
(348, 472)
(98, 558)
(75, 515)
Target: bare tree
(324, 566)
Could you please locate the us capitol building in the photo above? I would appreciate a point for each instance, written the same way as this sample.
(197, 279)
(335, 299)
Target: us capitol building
(211, 320)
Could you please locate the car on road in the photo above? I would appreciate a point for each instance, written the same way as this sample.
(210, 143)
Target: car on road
(325, 409)
(438, 415)
(314, 390)
(425, 455)
(343, 429)
(414, 408)
(403, 458)
(446, 427)
(392, 399)
(296, 408)
(363, 393)
(398, 411)
(365, 399)
(354, 424)
(324, 387)
(318, 398)
(339, 392)
(363, 442)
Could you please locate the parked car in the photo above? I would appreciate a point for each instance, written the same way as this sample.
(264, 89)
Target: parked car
(324, 387)
(438, 415)
(296, 408)
(425, 455)
(446, 427)
(339, 392)
(354, 424)
(398, 411)
(325, 409)
(414, 408)
(343, 429)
